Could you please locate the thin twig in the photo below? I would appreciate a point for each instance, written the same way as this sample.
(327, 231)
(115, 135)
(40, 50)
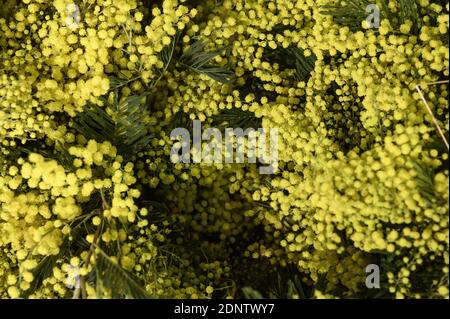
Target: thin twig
(82, 285)
(438, 82)
(436, 124)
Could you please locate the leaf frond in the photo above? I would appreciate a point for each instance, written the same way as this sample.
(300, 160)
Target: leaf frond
(293, 58)
(352, 13)
(237, 118)
(116, 280)
(125, 128)
(199, 60)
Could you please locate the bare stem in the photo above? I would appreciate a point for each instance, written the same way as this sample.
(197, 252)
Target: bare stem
(82, 286)
(435, 122)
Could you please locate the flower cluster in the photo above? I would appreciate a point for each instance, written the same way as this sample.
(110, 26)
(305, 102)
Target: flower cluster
(362, 176)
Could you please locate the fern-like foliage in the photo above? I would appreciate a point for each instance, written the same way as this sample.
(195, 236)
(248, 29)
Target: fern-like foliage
(198, 60)
(251, 293)
(45, 269)
(304, 65)
(425, 182)
(125, 127)
(293, 58)
(71, 242)
(115, 280)
(58, 153)
(287, 285)
(61, 155)
(166, 56)
(180, 119)
(408, 11)
(352, 13)
(237, 118)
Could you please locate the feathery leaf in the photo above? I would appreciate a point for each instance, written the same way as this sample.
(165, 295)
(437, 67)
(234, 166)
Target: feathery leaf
(125, 128)
(199, 60)
(250, 293)
(117, 281)
(425, 181)
(352, 13)
(237, 118)
(293, 58)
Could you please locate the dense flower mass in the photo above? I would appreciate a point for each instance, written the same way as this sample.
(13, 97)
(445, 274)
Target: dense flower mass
(91, 206)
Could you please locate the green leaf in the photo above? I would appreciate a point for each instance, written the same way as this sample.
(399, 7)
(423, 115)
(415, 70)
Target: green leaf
(59, 154)
(116, 280)
(303, 65)
(167, 53)
(293, 58)
(166, 56)
(125, 128)
(352, 13)
(45, 268)
(237, 118)
(62, 156)
(199, 60)
(180, 119)
(79, 230)
(349, 13)
(410, 11)
(250, 293)
(425, 181)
